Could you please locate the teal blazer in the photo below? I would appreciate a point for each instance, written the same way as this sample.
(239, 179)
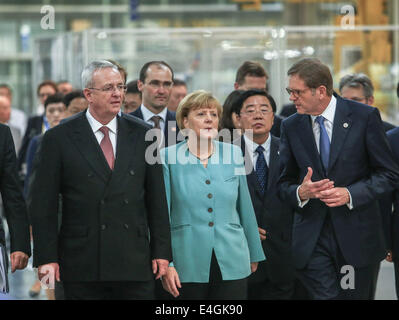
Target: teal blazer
(210, 209)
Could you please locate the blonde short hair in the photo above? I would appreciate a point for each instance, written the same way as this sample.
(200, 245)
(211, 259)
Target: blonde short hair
(195, 100)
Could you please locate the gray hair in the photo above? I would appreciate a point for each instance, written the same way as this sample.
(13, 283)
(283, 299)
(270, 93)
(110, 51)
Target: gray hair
(357, 80)
(88, 71)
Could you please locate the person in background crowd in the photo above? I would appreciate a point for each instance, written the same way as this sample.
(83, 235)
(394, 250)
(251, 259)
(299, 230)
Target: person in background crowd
(36, 125)
(358, 87)
(252, 75)
(132, 97)
(179, 91)
(229, 117)
(336, 164)
(75, 102)
(64, 87)
(155, 84)
(215, 237)
(121, 69)
(274, 279)
(18, 117)
(5, 114)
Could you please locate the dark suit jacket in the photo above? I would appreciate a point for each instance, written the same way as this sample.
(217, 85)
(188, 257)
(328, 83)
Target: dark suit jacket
(274, 216)
(361, 160)
(34, 128)
(171, 130)
(106, 215)
(391, 218)
(13, 201)
(276, 128)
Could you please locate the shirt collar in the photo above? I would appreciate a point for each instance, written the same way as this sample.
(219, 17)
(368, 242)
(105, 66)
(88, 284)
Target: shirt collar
(329, 112)
(147, 114)
(95, 125)
(251, 145)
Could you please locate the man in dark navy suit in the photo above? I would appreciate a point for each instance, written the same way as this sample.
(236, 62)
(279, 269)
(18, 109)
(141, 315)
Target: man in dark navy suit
(155, 84)
(274, 279)
(391, 217)
(336, 164)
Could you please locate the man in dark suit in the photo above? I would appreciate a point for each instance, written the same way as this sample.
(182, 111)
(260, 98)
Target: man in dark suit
(14, 204)
(391, 217)
(155, 84)
(274, 279)
(358, 87)
(336, 163)
(111, 199)
(252, 75)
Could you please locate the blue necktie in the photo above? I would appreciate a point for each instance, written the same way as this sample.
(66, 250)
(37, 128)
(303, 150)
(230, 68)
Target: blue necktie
(324, 144)
(261, 169)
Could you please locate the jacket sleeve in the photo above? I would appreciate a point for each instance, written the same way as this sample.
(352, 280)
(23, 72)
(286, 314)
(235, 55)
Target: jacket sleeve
(246, 211)
(13, 200)
(43, 199)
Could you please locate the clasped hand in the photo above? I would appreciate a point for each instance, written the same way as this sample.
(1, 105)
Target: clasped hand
(323, 190)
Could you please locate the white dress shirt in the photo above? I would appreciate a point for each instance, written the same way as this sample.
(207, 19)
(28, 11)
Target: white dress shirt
(147, 115)
(328, 114)
(95, 126)
(251, 147)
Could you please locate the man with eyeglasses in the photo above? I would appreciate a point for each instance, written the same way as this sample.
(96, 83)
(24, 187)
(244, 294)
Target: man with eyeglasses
(336, 164)
(155, 84)
(251, 75)
(358, 87)
(274, 279)
(112, 199)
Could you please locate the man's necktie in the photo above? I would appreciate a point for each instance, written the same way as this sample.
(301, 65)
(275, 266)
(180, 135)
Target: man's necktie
(157, 121)
(106, 146)
(261, 169)
(324, 144)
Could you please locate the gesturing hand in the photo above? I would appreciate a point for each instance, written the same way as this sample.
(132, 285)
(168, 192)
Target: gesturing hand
(309, 189)
(335, 197)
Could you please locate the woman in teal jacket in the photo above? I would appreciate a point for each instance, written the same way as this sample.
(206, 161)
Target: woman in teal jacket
(215, 239)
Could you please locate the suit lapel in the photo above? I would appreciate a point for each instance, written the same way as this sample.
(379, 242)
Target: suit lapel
(342, 125)
(125, 143)
(273, 162)
(87, 144)
(305, 133)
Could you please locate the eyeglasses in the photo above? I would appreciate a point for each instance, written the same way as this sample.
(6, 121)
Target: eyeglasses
(108, 89)
(251, 112)
(296, 92)
(158, 84)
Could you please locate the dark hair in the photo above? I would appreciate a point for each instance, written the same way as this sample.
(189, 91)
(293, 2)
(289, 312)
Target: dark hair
(47, 83)
(4, 85)
(250, 68)
(397, 90)
(179, 82)
(227, 107)
(313, 73)
(55, 98)
(62, 81)
(72, 95)
(143, 71)
(132, 88)
(249, 93)
(357, 80)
